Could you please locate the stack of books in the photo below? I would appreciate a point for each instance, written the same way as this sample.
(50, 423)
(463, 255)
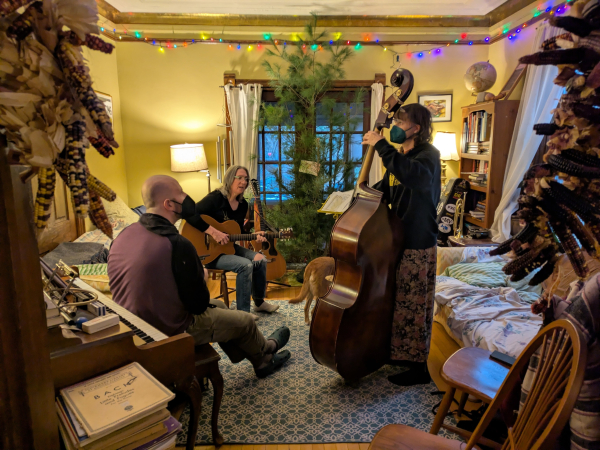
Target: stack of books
(125, 409)
(53, 317)
(480, 179)
(484, 148)
(479, 211)
(476, 129)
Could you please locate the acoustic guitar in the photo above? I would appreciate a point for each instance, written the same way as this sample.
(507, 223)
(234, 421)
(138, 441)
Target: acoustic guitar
(211, 249)
(276, 265)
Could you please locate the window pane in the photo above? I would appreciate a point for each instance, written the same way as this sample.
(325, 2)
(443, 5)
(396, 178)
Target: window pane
(271, 147)
(356, 172)
(338, 141)
(270, 180)
(356, 148)
(356, 116)
(287, 173)
(272, 128)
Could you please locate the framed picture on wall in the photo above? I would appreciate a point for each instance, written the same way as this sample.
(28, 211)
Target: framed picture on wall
(107, 100)
(440, 106)
(512, 82)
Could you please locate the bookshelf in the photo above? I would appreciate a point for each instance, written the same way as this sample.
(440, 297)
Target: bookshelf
(487, 130)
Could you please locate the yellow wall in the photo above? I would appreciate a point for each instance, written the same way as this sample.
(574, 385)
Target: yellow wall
(174, 97)
(504, 56)
(104, 73)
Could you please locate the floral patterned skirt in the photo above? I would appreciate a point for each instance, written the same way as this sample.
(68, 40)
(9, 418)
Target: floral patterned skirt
(413, 308)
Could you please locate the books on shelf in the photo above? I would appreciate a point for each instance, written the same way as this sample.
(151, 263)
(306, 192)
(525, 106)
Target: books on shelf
(124, 409)
(476, 132)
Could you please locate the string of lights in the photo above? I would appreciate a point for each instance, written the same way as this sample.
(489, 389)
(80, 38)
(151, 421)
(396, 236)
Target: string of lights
(435, 48)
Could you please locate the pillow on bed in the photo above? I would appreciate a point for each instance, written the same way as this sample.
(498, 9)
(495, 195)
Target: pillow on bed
(488, 275)
(119, 214)
(72, 253)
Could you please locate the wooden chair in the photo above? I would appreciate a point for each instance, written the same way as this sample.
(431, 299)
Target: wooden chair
(471, 371)
(207, 366)
(224, 290)
(545, 412)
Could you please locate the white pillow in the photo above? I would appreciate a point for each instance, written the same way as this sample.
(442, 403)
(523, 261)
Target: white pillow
(119, 214)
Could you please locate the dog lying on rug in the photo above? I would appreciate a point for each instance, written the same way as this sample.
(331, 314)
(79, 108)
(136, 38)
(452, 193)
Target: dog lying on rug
(318, 276)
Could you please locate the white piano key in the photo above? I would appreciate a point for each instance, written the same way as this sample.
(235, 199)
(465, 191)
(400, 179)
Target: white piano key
(123, 313)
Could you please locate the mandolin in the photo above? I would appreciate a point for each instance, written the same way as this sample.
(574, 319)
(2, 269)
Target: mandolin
(352, 324)
(276, 266)
(210, 249)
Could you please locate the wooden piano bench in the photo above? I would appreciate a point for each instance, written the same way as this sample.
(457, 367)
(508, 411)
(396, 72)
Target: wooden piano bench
(207, 366)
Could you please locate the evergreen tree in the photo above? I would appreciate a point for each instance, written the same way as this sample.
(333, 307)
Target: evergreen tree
(302, 75)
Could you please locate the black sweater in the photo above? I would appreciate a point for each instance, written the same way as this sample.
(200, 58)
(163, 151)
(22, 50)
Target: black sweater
(412, 185)
(217, 206)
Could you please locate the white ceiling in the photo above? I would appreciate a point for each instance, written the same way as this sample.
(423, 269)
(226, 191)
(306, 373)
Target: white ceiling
(323, 7)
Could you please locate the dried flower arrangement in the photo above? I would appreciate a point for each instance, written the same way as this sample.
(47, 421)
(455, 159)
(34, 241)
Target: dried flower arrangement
(48, 110)
(560, 199)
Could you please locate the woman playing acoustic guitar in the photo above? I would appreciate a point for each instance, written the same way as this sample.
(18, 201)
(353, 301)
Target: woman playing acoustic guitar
(228, 203)
(412, 185)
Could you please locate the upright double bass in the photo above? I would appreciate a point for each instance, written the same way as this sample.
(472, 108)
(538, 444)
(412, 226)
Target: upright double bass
(351, 328)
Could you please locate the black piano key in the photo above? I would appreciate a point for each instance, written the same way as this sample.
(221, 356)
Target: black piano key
(142, 335)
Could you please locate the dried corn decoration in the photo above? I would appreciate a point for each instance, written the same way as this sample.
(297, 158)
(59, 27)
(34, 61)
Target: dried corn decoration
(48, 108)
(44, 196)
(560, 199)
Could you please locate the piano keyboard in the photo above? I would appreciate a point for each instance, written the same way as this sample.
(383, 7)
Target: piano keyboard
(142, 329)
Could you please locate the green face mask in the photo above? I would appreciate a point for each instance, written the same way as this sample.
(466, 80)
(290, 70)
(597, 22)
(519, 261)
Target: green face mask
(398, 135)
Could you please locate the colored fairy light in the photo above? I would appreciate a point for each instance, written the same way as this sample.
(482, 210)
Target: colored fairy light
(331, 42)
(347, 42)
(153, 42)
(185, 44)
(137, 35)
(357, 45)
(101, 28)
(487, 39)
(114, 30)
(284, 43)
(314, 47)
(385, 49)
(448, 44)
(510, 37)
(438, 50)
(524, 25)
(193, 41)
(549, 8)
(230, 46)
(267, 36)
(518, 30)
(249, 47)
(303, 45)
(430, 52)
(409, 55)
(145, 38)
(239, 46)
(420, 55)
(470, 42)
(259, 46)
(377, 41)
(120, 37)
(220, 40)
(367, 38)
(175, 46)
(463, 36)
(456, 41)
(212, 39)
(320, 47)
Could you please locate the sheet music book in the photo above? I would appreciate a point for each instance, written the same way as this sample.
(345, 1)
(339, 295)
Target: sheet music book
(337, 203)
(116, 399)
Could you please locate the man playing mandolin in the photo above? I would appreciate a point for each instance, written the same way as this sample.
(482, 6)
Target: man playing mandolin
(228, 203)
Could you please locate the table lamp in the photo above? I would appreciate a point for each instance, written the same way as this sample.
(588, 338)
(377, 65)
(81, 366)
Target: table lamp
(446, 144)
(189, 158)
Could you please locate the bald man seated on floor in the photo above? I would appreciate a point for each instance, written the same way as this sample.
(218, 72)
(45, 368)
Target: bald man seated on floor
(156, 274)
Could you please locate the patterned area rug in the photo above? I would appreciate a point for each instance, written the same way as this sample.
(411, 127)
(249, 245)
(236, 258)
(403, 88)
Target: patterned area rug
(305, 402)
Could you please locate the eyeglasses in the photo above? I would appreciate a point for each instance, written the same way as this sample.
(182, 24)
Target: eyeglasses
(237, 177)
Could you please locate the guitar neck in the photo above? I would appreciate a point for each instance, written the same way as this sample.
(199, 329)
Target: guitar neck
(251, 237)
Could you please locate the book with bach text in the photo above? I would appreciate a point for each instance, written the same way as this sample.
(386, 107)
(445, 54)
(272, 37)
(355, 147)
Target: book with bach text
(111, 401)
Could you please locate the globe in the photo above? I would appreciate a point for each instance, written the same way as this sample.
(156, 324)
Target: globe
(480, 77)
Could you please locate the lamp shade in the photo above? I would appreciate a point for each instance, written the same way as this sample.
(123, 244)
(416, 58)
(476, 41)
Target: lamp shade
(446, 144)
(188, 158)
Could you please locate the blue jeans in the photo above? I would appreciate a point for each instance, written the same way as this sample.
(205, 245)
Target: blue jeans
(251, 276)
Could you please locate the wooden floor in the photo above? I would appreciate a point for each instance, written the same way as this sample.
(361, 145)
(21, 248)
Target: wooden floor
(442, 346)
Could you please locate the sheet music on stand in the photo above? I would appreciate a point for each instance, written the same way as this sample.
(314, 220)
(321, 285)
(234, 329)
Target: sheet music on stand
(337, 203)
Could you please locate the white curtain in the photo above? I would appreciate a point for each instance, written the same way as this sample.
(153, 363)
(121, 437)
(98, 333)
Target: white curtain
(540, 96)
(243, 102)
(376, 173)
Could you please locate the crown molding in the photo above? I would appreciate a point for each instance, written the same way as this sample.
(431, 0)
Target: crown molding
(329, 21)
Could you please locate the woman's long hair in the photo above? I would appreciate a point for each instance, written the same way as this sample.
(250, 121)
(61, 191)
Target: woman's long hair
(225, 189)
